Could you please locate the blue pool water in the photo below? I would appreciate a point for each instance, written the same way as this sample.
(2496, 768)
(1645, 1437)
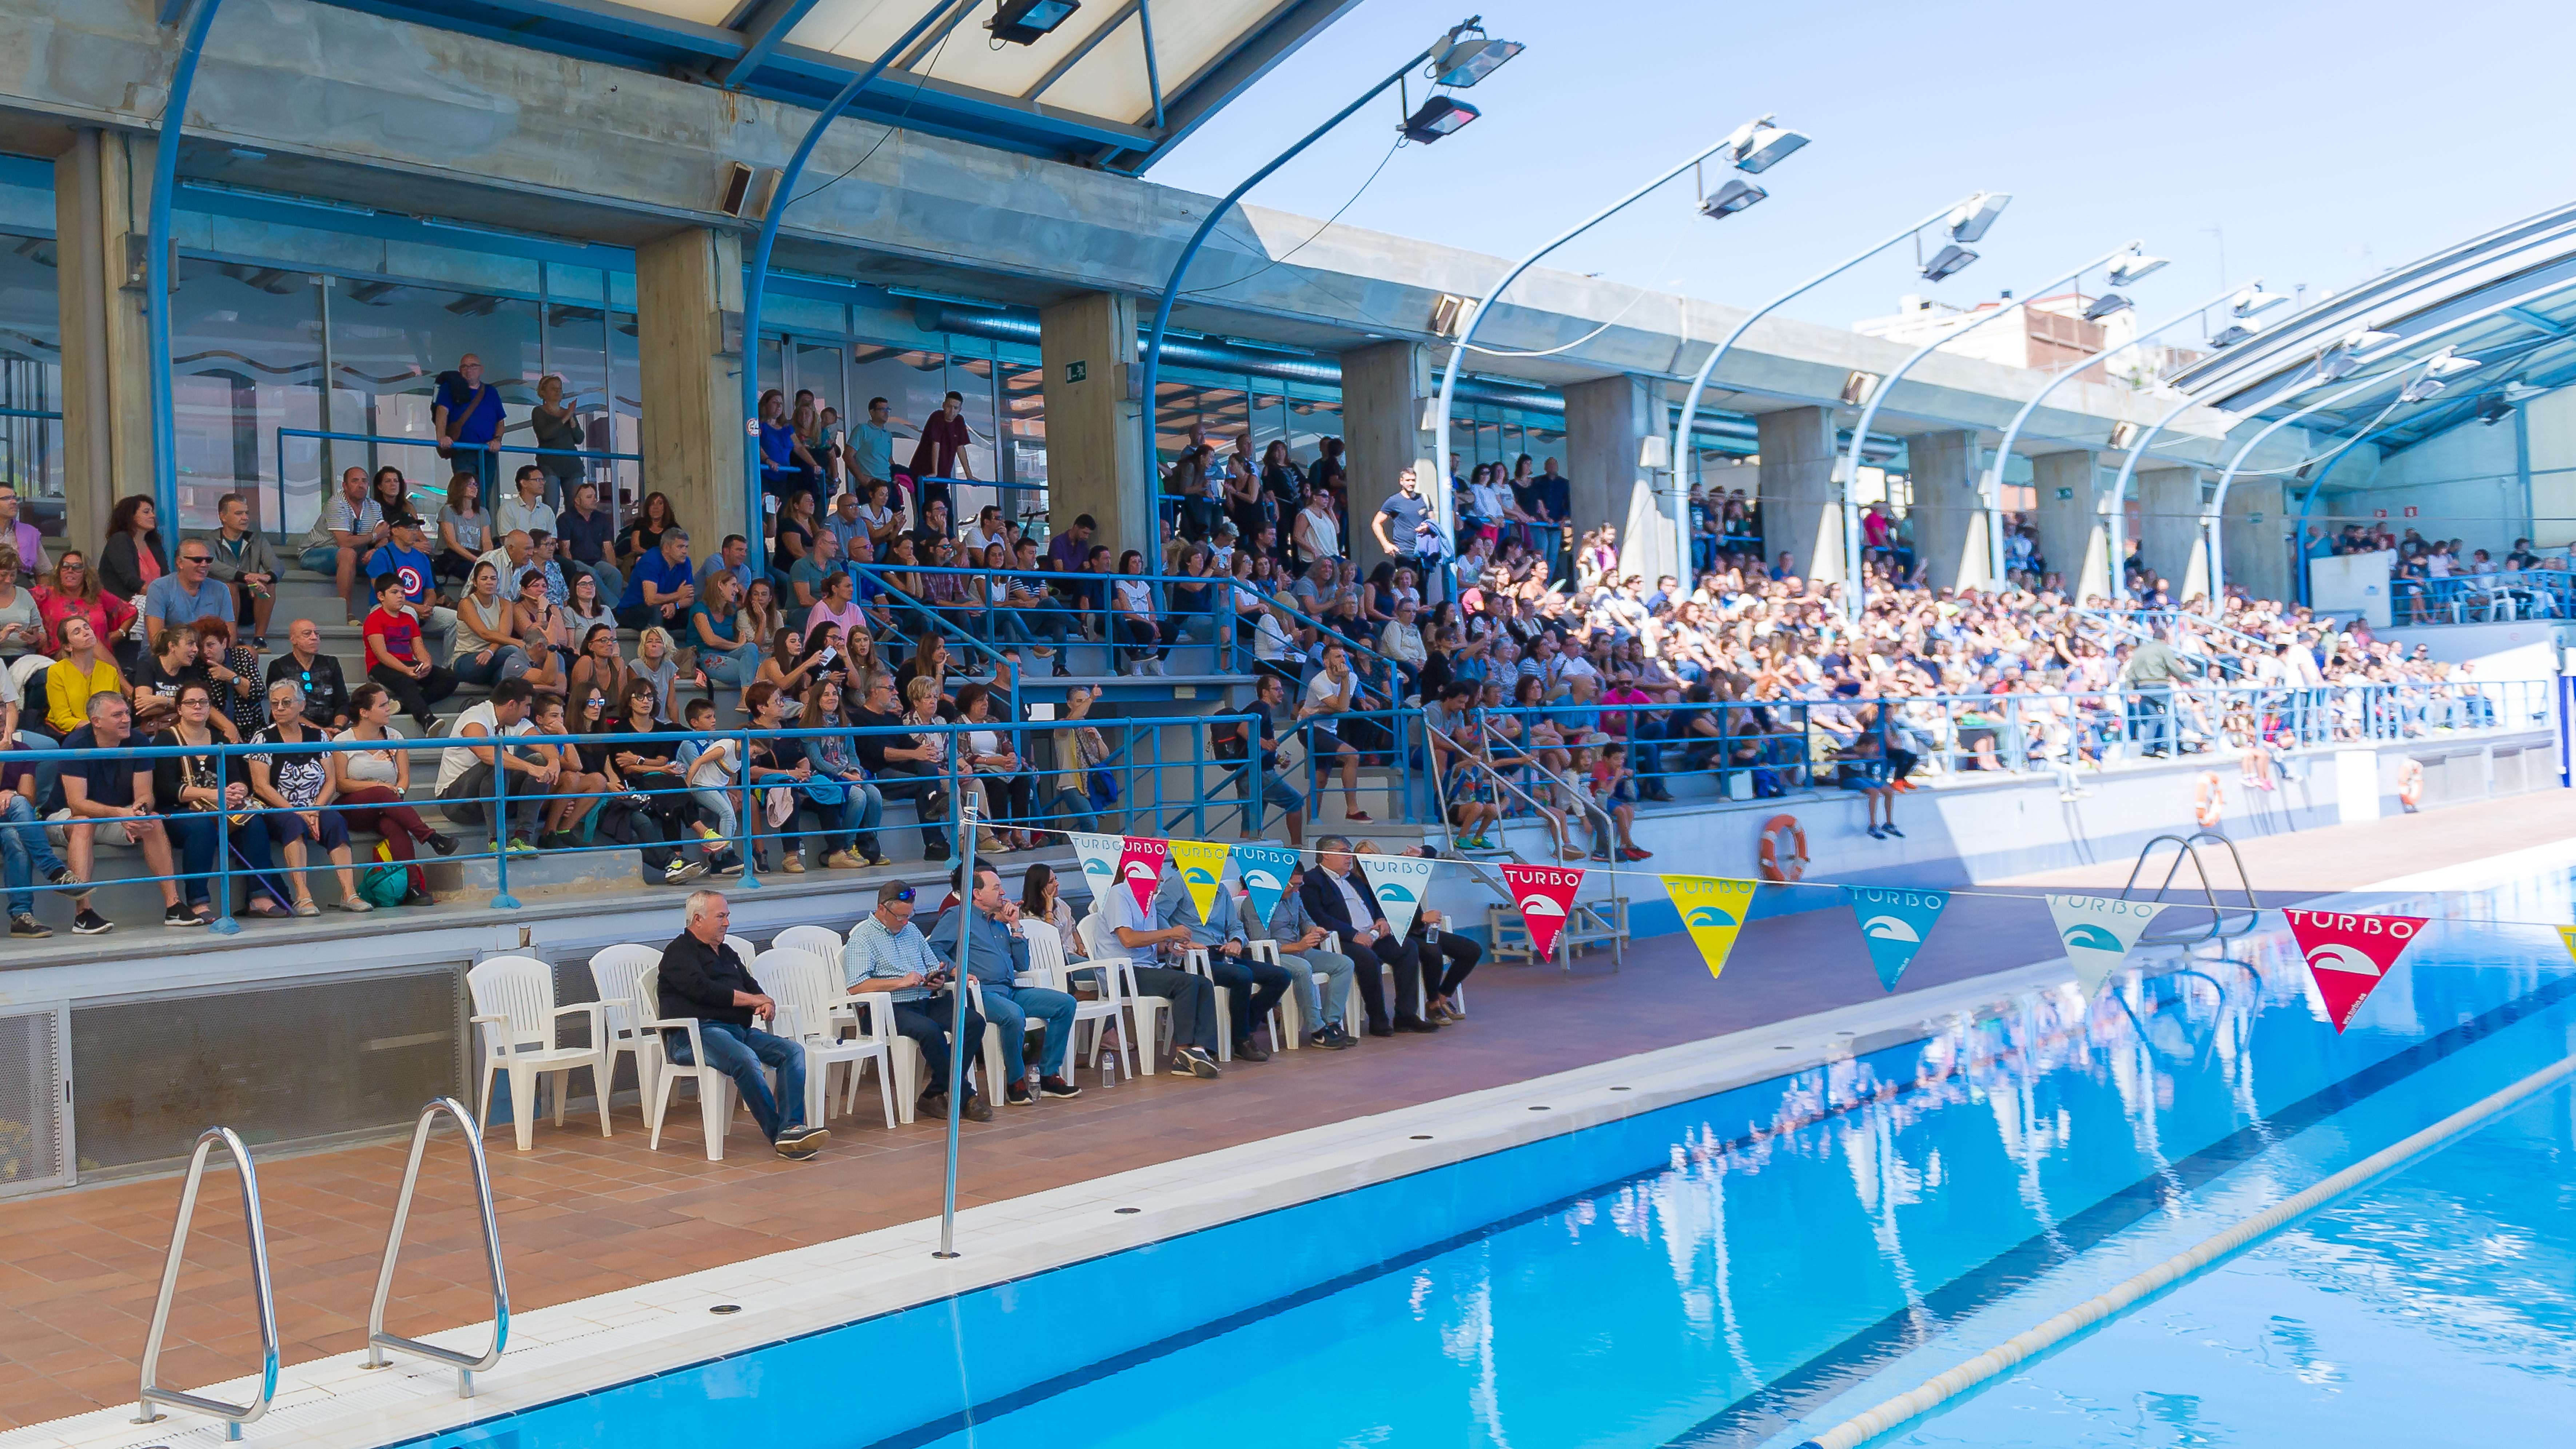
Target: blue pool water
(1750, 1267)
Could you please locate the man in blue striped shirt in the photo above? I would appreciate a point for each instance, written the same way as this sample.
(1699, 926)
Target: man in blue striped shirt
(887, 954)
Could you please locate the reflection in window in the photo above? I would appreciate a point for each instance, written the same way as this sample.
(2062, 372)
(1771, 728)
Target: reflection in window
(31, 380)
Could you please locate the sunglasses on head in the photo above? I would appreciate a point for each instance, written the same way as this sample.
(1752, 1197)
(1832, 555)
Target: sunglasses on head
(904, 895)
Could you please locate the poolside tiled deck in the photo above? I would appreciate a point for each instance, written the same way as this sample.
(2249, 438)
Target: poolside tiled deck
(583, 1215)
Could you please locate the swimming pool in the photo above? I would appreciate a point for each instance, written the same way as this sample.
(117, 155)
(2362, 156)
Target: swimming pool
(1751, 1266)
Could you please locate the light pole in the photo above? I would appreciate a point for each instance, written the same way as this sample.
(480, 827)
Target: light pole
(1708, 368)
(1461, 62)
(1855, 577)
(2249, 302)
(1757, 145)
(757, 283)
(156, 267)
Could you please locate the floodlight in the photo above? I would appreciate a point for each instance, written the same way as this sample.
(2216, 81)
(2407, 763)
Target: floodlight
(2420, 389)
(2366, 339)
(1766, 147)
(1026, 22)
(1857, 387)
(2108, 304)
(1438, 117)
(1947, 262)
(1969, 220)
(2450, 364)
(1463, 60)
(2337, 364)
(2254, 299)
(1731, 198)
(1654, 452)
(2123, 434)
(2129, 271)
(2233, 335)
(2519, 392)
(2494, 412)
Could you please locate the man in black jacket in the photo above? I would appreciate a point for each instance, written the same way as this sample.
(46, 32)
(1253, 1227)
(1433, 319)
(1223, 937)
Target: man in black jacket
(1338, 898)
(702, 977)
(326, 694)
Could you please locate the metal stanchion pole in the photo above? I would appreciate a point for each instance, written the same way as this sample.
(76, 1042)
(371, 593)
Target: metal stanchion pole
(966, 822)
(223, 924)
(750, 879)
(502, 900)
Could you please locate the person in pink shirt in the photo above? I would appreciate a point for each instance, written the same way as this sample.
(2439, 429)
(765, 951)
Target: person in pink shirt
(1641, 728)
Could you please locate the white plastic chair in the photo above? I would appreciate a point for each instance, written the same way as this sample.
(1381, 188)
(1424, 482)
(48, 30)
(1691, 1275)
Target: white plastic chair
(1147, 1016)
(514, 1003)
(1048, 968)
(823, 941)
(742, 948)
(1292, 1006)
(614, 972)
(715, 1089)
(811, 1013)
(1194, 959)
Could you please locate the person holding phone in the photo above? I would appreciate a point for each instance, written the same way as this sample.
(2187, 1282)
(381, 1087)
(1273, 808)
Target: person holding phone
(888, 959)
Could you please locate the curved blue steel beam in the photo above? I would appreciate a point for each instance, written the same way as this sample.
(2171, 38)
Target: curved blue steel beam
(156, 269)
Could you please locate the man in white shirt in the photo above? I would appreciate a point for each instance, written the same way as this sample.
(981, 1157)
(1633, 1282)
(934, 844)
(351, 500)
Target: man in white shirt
(1127, 933)
(465, 777)
(985, 532)
(1333, 690)
(527, 512)
(514, 557)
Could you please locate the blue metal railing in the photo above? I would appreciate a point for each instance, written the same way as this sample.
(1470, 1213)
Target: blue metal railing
(434, 487)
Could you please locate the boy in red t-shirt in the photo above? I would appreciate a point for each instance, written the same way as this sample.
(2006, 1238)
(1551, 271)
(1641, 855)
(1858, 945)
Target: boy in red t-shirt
(398, 659)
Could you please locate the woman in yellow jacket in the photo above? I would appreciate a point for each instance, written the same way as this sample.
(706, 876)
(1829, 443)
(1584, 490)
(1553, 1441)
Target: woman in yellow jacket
(83, 670)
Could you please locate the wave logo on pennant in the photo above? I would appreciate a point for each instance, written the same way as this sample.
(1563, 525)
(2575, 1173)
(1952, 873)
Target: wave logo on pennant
(1893, 924)
(1712, 909)
(1267, 870)
(1546, 897)
(1099, 855)
(1400, 883)
(1140, 867)
(2349, 955)
(2097, 932)
(1202, 866)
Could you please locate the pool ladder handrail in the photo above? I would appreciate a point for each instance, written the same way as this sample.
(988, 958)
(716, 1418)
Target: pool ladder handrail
(150, 1392)
(2188, 847)
(466, 1365)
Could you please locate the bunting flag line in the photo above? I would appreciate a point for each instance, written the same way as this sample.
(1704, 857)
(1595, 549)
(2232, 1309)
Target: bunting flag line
(2349, 955)
(1099, 856)
(1713, 909)
(2097, 932)
(1399, 882)
(1202, 864)
(1266, 870)
(1893, 924)
(1140, 865)
(1546, 897)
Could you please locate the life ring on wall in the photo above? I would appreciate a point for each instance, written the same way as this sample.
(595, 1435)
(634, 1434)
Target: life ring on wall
(2208, 800)
(2410, 784)
(1776, 866)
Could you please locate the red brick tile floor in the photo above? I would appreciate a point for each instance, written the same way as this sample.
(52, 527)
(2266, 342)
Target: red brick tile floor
(582, 1214)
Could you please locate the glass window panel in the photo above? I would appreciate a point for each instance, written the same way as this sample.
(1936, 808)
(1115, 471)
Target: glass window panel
(576, 338)
(246, 360)
(31, 379)
(389, 343)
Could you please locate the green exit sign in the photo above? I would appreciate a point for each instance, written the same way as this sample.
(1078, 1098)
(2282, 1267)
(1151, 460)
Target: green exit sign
(1076, 371)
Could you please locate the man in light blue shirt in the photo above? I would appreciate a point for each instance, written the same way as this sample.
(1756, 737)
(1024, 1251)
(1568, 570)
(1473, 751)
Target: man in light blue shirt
(990, 920)
(186, 594)
(1252, 986)
(872, 449)
(888, 956)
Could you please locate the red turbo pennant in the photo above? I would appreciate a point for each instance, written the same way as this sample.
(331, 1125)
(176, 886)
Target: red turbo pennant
(2350, 955)
(1140, 865)
(1546, 896)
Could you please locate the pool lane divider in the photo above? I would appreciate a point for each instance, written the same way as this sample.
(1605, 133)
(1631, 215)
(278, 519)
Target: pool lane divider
(1943, 1387)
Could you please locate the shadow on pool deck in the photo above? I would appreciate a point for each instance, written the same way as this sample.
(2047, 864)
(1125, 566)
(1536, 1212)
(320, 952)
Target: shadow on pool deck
(584, 1214)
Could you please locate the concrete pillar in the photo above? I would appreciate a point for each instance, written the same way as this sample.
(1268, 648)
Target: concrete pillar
(1382, 435)
(2169, 530)
(2072, 538)
(685, 283)
(1606, 422)
(102, 191)
(1096, 460)
(1950, 538)
(1801, 516)
(2252, 537)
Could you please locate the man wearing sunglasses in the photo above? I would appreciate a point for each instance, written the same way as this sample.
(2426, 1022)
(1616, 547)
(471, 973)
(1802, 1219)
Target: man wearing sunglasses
(887, 956)
(326, 692)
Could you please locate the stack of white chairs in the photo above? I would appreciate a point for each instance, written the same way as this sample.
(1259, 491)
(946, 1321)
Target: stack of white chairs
(514, 1003)
(614, 972)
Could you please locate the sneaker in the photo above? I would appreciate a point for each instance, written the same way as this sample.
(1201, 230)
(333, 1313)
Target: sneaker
(1017, 1094)
(978, 1110)
(442, 843)
(879, 857)
(723, 865)
(794, 1150)
(1891, 829)
(793, 865)
(1329, 1039)
(521, 847)
(558, 840)
(1197, 1063)
(62, 876)
(843, 860)
(1057, 1087)
(91, 923)
(1250, 1051)
(803, 1137)
(181, 916)
(23, 924)
(1874, 833)
(1633, 853)
(681, 871)
(1359, 817)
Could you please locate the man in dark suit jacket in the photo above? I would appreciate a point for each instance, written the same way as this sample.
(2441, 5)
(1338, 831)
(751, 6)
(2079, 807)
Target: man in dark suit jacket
(1337, 897)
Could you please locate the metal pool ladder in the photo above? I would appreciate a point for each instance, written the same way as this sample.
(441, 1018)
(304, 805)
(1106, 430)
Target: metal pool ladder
(2187, 847)
(151, 1392)
(466, 1365)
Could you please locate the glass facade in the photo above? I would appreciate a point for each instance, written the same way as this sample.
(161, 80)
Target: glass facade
(31, 379)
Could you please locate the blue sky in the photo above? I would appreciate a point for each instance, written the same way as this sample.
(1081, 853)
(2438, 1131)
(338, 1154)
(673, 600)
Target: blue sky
(2326, 143)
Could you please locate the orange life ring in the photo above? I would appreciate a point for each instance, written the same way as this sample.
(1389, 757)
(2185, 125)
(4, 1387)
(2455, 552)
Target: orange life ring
(1774, 867)
(2208, 800)
(2410, 783)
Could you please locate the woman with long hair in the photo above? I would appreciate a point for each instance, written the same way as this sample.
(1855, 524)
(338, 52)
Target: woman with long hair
(1139, 630)
(728, 653)
(836, 758)
(793, 663)
(391, 492)
(230, 665)
(590, 774)
(992, 756)
(657, 662)
(71, 591)
(1042, 899)
(599, 665)
(488, 651)
(793, 534)
(133, 557)
(463, 527)
(370, 785)
(208, 807)
(584, 610)
(643, 534)
(652, 767)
